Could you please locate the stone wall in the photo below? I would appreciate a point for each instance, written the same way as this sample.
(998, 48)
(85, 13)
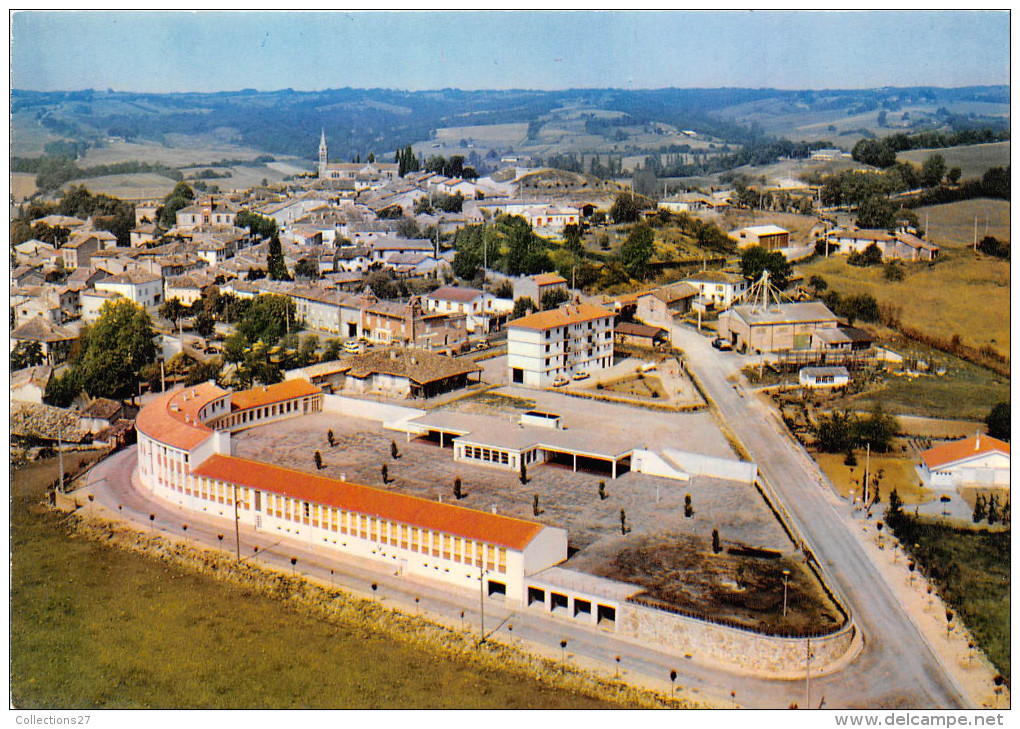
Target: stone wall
(744, 650)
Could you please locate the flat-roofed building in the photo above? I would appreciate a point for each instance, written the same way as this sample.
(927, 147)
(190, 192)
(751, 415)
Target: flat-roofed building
(789, 326)
(769, 237)
(549, 345)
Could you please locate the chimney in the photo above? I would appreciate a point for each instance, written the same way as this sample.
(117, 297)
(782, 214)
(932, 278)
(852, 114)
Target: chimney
(977, 441)
(493, 508)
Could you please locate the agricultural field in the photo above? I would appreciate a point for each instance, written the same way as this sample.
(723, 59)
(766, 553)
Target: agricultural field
(179, 150)
(897, 472)
(971, 569)
(965, 294)
(96, 627)
(952, 225)
(139, 186)
(22, 185)
(972, 159)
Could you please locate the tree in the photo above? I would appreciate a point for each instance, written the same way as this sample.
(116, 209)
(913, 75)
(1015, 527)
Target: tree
(625, 209)
(180, 197)
(330, 438)
(553, 298)
(384, 471)
(26, 354)
(523, 472)
(818, 283)
(954, 175)
(458, 492)
(688, 506)
(877, 428)
(716, 546)
(318, 461)
(204, 323)
(993, 509)
(602, 491)
(998, 421)
(756, 260)
(623, 522)
(307, 267)
(980, 509)
(113, 350)
(637, 251)
(172, 310)
(991, 246)
(394, 451)
(873, 152)
(933, 170)
(522, 306)
(573, 234)
(875, 211)
(894, 511)
(835, 433)
(535, 508)
(331, 350)
(275, 264)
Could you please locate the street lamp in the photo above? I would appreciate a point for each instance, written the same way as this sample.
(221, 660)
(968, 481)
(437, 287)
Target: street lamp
(786, 581)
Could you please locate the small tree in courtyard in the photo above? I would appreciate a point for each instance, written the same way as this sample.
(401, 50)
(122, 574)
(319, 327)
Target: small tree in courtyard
(330, 438)
(385, 472)
(688, 506)
(602, 491)
(457, 492)
(524, 473)
(535, 508)
(716, 546)
(623, 522)
(318, 461)
(394, 451)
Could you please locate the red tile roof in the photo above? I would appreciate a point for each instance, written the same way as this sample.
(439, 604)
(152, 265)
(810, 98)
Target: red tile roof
(411, 510)
(271, 394)
(571, 314)
(960, 450)
(548, 279)
(455, 293)
(172, 418)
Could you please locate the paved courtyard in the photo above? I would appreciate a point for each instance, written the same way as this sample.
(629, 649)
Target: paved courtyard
(566, 499)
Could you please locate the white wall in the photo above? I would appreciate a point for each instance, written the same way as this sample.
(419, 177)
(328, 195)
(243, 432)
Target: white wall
(369, 409)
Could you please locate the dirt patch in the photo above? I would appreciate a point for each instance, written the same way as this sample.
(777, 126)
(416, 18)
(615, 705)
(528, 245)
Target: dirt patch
(741, 585)
(636, 385)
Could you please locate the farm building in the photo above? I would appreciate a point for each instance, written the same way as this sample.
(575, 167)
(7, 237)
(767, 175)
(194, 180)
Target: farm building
(978, 461)
(640, 335)
(775, 328)
(658, 306)
(824, 377)
(769, 237)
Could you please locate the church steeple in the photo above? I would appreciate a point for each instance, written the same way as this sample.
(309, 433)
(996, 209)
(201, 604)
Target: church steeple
(323, 154)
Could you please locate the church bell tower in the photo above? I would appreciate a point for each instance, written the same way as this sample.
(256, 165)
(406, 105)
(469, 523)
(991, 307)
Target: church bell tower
(323, 155)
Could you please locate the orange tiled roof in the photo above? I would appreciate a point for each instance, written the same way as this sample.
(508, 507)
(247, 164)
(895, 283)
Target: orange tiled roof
(172, 418)
(459, 521)
(547, 279)
(270, 394)
(949, 453)
(564, 316)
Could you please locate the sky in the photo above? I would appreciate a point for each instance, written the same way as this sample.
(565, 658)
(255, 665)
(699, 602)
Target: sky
(305, 51)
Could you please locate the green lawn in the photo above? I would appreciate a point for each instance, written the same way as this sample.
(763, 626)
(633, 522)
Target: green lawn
(93, 626)
(971, 570)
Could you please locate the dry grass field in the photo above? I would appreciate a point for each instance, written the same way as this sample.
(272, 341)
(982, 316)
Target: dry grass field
(178, 152)
(897, 473)
(972, 159)
(963, 294)
(22, 186)
(140, 186)
(952, 225)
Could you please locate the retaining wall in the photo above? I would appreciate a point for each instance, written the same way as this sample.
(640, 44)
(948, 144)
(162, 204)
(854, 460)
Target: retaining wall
(745, 650)
(699, 465)
(369, 409)
(654, 465)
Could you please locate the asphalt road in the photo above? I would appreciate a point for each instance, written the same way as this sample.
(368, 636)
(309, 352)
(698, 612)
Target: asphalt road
(897, 668)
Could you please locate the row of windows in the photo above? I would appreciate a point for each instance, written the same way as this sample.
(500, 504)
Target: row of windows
(489, 455)
(416, 539)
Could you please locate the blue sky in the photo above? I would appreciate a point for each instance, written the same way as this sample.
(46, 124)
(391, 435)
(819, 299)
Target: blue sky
(221, 51)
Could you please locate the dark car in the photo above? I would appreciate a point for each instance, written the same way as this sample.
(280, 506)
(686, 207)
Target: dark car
(722, 344)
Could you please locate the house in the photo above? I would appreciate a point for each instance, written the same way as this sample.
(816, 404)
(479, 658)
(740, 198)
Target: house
(101, 413)
(981, 461)
(29, 384)
(482, 309)
(841, 340)
(79, 249)
(145, 289)
(769, 237)
(30, 302)
(143, 234)
(535, 287)
(92, 303)
(26, 275)
(390, 321)
(33, 247)
(394, 372)
(55, 341)
(640, 335)
(900, 245)
(824, 377)
(718, 289)
(778, 327)
(659, 306)
(206, 211)
(559, 343)
(186, 289)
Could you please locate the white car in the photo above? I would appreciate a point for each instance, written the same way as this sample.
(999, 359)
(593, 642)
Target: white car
(560, 382)
(581, 375)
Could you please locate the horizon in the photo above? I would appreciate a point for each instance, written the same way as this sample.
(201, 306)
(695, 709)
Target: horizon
(211, 52)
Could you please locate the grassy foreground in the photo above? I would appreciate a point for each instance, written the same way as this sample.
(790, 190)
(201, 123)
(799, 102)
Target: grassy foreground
(971, 569)
(94, 626)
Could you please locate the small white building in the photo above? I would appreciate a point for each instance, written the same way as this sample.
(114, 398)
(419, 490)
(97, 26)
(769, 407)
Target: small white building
(981, 461)
(824, 377)
(559, 343)
(719, 289)
(769, 237)
(480, 307)
(140, 287)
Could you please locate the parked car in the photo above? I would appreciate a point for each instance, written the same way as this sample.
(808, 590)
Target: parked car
(353, 347)
(481, 346)
(722, 344)
(560, 382)
(582, 375)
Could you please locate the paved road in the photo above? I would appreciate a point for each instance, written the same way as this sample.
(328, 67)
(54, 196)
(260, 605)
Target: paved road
(897, 668)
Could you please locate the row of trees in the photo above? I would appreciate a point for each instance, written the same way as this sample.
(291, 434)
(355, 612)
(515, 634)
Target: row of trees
(882, 152)
(508, 245)
(844, 431)
(110, 214)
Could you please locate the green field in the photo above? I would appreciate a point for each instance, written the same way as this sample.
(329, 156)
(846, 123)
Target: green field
(966, 391)
(972, 159)
(972, 572)
(952, 225)
(964, 294)
(93, 626)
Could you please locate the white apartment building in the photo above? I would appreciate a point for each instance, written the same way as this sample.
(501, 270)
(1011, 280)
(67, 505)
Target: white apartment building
(721, 290)
(559, 343)
(140, 287)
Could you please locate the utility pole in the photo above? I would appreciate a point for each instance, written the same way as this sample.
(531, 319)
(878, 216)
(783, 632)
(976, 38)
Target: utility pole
(867, 467)
(162, 376)
(975, 234)
(808, 702)
(237, 526)
(60, 452)
(481, 602)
